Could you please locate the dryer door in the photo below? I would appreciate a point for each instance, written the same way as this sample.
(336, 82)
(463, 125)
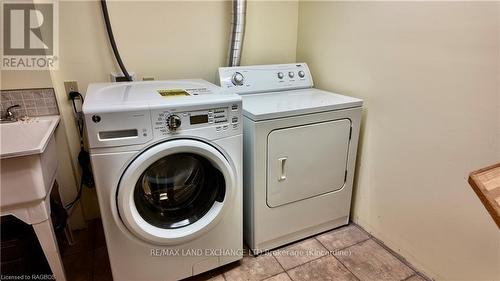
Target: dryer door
(175, 191)
(306, 161)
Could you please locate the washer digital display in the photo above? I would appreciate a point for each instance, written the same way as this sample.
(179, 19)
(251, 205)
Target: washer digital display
(198, 119)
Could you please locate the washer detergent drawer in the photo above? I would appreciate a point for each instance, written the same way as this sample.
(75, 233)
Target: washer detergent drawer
(306, 161)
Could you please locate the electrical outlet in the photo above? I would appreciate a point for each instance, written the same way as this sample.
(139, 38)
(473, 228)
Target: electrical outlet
(70, 86)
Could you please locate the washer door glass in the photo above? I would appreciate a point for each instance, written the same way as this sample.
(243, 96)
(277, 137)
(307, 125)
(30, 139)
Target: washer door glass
(177, 190)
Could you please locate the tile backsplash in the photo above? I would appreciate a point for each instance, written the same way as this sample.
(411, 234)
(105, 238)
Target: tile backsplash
(33, 102)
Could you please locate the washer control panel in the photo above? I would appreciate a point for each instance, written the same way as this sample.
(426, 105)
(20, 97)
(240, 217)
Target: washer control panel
(265, 78)
(218, 119)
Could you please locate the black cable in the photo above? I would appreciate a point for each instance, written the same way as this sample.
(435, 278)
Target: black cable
(112, 40)
(78, 195)
(83, 157)
(76, 95)
(79, 120)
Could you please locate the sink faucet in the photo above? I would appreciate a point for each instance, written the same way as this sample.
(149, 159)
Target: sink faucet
(9, 115)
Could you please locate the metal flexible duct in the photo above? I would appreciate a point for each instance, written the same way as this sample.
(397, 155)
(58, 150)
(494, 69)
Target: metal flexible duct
(237, 31)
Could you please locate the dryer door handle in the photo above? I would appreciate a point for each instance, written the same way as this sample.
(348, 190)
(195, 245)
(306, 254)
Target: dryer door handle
(282, 162)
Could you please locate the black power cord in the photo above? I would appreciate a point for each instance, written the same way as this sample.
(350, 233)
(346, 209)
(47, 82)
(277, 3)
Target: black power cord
(112, 40)
(78, 196)
(79, 117)
(83, 157)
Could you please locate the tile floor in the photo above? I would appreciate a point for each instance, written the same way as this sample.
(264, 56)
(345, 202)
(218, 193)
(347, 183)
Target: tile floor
(346, 253)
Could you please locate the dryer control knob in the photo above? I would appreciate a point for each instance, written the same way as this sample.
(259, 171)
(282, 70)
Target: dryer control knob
(302, 74)
(173, 122)
(237, 79)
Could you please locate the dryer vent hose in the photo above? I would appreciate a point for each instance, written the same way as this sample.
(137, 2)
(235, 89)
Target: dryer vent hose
(237, 32)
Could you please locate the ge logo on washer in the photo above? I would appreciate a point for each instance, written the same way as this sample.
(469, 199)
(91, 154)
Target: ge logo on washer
(96, 118)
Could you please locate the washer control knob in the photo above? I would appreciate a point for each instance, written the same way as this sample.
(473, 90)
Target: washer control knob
(281, 75)
(302, 74)
(173, 122)
(237, 79)
(291, 74)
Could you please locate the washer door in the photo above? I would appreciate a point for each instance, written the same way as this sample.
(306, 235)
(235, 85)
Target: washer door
(175, 191)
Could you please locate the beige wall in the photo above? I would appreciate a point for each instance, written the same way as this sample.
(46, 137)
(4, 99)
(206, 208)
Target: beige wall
(164, 40)
(429, 75)
(271, 32)
(24, 79)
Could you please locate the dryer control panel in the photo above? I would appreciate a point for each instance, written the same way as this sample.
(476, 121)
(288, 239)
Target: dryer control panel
(223, 120)
(265, 78)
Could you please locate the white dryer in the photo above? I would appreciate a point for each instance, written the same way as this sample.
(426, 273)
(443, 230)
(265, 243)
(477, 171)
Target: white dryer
(167, 161)
(300, 148)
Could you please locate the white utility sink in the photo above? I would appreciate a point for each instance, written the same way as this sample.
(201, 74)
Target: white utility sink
(28, 160)
(28, 165)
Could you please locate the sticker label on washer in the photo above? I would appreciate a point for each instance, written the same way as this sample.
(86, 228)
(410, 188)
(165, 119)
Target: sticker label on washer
(170, 93)
(198, 91)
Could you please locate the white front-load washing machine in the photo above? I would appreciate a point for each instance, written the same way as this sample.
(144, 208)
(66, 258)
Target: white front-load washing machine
(167, 162)
(300, 148)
